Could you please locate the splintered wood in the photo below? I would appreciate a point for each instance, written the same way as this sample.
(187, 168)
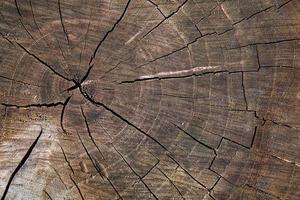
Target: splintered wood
(150, 99)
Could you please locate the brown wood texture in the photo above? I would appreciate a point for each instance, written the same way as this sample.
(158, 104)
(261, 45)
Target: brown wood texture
(150, 99)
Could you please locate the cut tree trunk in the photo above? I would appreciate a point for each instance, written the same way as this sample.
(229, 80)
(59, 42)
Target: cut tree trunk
(150, 99)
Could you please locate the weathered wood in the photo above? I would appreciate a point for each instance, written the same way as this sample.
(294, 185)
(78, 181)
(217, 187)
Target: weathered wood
(148, 99)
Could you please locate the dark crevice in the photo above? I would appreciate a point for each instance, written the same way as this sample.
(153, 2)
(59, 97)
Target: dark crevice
(177, 50)
(34, 105)
(285, 4)
(21, 163)
(265, 43)
(201, 184)
(172, 183)
(16, 4)
(210, 12)
(61, 180)
(279, 123)
(210, 190)
(34, 19)
(79, 191)
(43, 62)
(89, 131)
(62, 23)
(245, 18)
(20, 82)
(244, 146)
(157, 7)
(115, 189)
(195, 139)
(47, 194)
(63, 113)
(6, 38)
(150, 170)
(139, 177)
(167, 17)
(20, 19)
(120, 117)
(91, 63)
(228, 181)
(90, 157)
(66, 159)
(253, 138)
(26, 29)
(244, 91)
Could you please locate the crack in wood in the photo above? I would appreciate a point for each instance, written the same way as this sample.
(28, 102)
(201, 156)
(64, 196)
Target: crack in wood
(20, 165)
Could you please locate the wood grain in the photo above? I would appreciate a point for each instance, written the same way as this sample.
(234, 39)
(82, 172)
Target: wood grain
(150, 99)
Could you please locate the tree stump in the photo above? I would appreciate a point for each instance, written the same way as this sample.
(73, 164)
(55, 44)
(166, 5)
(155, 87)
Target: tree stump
(150, 99)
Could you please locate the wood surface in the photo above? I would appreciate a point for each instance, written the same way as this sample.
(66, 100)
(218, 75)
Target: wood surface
(150, 99)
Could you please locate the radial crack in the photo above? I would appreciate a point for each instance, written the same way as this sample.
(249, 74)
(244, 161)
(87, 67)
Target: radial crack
(62, 114)
(66, 159)
(201, 184)
(167, 17)
(79, 191)
(172, 183)
(203, 144)
(265, 43)
(91, 63)
(151, 2)
(62, 22)
(89, 131)
(140, 178)
(177, 50)
(43, 62)
(21, 163)
(120, 117)
(47, 194)
(5, 37)
(246, 18)
(285, 4)
(244, 91)
(90, 157)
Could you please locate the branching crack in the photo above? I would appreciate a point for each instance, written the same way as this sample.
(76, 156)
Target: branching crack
(246, 18)
(172, 183)
(167, 17)
(140, 178)
(91, 63)
(157, 7)
(177, 50)
(201, 184)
